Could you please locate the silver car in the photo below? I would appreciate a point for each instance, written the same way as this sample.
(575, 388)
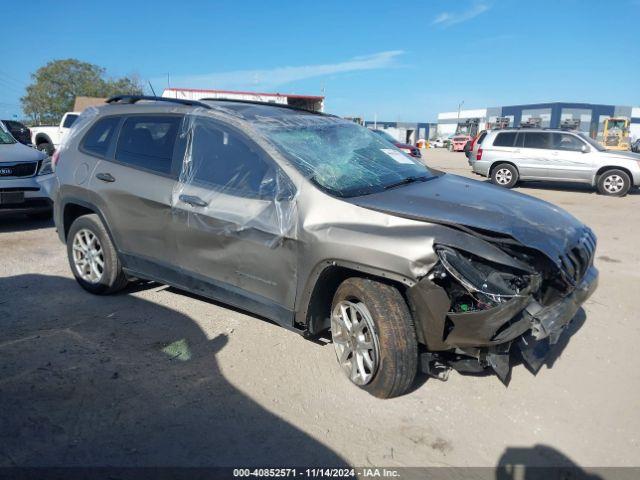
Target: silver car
(319, 225)
(510, 156)
(26, 178)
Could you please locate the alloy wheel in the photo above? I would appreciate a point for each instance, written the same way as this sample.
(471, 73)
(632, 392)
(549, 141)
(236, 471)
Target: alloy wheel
(355, 341)
(504, 176)
(613, 183)
(88, 257)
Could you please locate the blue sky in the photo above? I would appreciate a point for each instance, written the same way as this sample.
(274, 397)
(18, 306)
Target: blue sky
(401, 61)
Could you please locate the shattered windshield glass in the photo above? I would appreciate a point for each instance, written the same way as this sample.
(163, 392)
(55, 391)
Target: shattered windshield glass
(343, 158)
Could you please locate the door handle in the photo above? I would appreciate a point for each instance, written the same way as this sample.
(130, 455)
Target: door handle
(193, 200)
(105, 177)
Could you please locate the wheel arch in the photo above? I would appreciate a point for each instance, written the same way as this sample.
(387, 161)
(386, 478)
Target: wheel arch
(73, 208)
(499, 162)
(606, 168)
(326, 277)
(42, 138)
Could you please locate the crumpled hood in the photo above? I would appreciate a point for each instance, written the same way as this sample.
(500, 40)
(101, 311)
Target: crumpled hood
(16, 152)
(451, 199)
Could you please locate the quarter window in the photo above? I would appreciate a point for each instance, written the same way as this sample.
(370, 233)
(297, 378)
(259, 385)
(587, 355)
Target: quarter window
(505, 139)
(147, 142)
(537, 140)
(99, 136)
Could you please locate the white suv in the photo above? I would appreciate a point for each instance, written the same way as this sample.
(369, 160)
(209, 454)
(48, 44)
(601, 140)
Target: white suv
(513, 155)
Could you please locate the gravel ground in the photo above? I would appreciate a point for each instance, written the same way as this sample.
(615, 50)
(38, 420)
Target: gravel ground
(154, 376)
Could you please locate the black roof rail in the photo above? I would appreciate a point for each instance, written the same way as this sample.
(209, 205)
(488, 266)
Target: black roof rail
(269, 104)
(131, 99)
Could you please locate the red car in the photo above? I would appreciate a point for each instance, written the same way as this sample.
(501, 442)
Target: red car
(405, 147)
(458, 142)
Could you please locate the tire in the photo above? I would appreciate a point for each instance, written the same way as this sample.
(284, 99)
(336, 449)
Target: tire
(46, 147)
(505, 175)
(614, 183)
(392, 337)
(112, 278)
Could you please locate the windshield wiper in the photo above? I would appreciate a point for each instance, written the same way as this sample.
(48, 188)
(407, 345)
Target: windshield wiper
(406, 181)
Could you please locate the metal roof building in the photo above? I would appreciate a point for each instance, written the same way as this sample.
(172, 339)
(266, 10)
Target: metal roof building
(588, 117)
(308, 102)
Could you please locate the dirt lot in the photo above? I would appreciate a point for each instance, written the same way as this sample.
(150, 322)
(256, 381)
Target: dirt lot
(155, 377)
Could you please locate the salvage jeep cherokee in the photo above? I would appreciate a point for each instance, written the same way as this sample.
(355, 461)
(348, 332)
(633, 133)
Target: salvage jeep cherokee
(319, 224)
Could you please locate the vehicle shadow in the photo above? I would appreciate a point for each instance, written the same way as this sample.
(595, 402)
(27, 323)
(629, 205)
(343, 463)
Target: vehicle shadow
(540, 462)
(22, 223)
(121, 381)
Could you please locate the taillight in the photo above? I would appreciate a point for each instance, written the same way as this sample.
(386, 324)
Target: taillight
(479, 154)
(54, 158)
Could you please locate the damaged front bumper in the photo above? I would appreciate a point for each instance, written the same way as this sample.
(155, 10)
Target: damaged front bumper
(472, 341)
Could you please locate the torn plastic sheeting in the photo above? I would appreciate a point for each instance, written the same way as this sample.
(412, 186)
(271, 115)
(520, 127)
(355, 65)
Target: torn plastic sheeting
(227, 185)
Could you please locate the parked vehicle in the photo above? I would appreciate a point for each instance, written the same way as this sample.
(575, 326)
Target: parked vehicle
(458, 142)
(26, 178)
(17, 131)
(615, 135)
(437, 143)
(635, 146)
(47, 139)
(510, 156)
(319, 224)
(468, 148)
(405, 147)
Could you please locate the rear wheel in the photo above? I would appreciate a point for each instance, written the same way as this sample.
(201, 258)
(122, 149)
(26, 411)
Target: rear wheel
(505, 175)
(615, 183)
(93, 258)
(46, 147)
(374, 337)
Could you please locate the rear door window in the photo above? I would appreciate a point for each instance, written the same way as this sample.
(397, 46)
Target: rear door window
(98, 138)
(505, 139)
(540, 140)
(147, 142)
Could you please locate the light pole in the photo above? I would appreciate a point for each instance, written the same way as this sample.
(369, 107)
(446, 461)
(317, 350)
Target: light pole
(459, 107)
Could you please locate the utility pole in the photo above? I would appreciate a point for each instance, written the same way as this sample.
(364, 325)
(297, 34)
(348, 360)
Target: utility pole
(459, 108)
(458, 122)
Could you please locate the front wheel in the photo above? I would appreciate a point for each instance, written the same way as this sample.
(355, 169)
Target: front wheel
(615, 183)
(374, 337)
(93, 258)
(505, 175)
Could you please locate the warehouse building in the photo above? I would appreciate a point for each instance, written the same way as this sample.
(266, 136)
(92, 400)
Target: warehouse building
(405, 132)
(308, 102)
(586, 117)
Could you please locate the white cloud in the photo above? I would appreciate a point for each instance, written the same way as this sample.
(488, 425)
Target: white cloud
(274, 77)
(447, 19)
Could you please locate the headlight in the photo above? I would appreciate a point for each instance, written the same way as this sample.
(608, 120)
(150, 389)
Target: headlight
(45, 167)
(476, 284)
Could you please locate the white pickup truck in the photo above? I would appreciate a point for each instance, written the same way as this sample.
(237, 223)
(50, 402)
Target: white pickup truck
(48, 139)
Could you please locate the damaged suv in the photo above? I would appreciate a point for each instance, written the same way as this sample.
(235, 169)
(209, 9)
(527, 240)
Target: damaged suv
(319, 225)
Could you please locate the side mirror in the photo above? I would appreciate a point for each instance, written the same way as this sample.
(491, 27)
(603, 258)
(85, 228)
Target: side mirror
(585, 149)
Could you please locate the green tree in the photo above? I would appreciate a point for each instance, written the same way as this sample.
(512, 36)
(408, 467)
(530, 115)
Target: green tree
(55, 86)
